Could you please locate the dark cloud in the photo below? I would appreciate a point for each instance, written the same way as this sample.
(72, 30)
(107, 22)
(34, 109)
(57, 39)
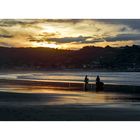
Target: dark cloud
(74, 21)
(42, 37)
(124, 37)
(5, 36)
(3, 44)
(46, 34)
(21, 22)
(79, 39)
(9, 22)
(133, 23)
(89, 39)
(32, 22)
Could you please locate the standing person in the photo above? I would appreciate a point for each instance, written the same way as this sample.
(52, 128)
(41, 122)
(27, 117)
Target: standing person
(99, 84)
(86, 83)
(97, 79)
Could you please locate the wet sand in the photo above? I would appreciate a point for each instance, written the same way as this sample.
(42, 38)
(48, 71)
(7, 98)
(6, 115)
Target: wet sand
(52, 101)
(71, 86)
(68, 113)
(66, 107)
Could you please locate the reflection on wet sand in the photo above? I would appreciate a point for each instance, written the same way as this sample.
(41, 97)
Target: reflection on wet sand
(36, 102)
(41, 95)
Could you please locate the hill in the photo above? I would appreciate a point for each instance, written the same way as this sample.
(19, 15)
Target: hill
(90, 57)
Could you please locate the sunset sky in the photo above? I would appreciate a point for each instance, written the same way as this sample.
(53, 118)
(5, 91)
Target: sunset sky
(68, 33)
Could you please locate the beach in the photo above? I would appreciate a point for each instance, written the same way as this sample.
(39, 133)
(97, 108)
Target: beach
(38, 107)
(44, 100)
(68, 113)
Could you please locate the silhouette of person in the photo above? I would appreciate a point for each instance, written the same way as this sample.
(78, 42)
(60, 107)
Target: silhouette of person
(86, 83)
(99, 84)
(97, 79)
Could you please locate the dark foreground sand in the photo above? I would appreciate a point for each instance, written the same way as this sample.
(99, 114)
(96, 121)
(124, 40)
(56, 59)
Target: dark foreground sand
(67, 113)
(29, 107)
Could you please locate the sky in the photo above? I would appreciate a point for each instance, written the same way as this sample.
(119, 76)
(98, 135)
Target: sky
(69, 33)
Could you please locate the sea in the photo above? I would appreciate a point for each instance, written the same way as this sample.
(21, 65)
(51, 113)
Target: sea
(117, 78)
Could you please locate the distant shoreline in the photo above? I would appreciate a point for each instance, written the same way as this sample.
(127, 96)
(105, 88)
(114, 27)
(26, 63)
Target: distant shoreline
(88, 58)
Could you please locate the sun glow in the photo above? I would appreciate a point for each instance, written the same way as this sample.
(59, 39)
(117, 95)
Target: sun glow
(44, 44)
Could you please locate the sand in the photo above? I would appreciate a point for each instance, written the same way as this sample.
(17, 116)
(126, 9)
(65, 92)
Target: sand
(67, 113)
(30, 107)
(68, 104)
(71, 86)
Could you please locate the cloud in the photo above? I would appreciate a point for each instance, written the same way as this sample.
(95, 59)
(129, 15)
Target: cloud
(79, 39)
(21, 22)
(43, 37)
(124, 37)
(32, 22)
(73, 21)
(9, 22)
(3, 44)
(132, 23)
(25, 32)
(5, 36)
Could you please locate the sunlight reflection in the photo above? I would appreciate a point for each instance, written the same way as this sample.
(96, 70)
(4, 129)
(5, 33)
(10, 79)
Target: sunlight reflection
(62, 96)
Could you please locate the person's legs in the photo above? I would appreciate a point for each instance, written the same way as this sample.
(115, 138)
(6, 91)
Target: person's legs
(86, 86)
(97, 86)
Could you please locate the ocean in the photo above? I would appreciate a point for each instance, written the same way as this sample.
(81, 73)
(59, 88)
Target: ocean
(119, 78)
